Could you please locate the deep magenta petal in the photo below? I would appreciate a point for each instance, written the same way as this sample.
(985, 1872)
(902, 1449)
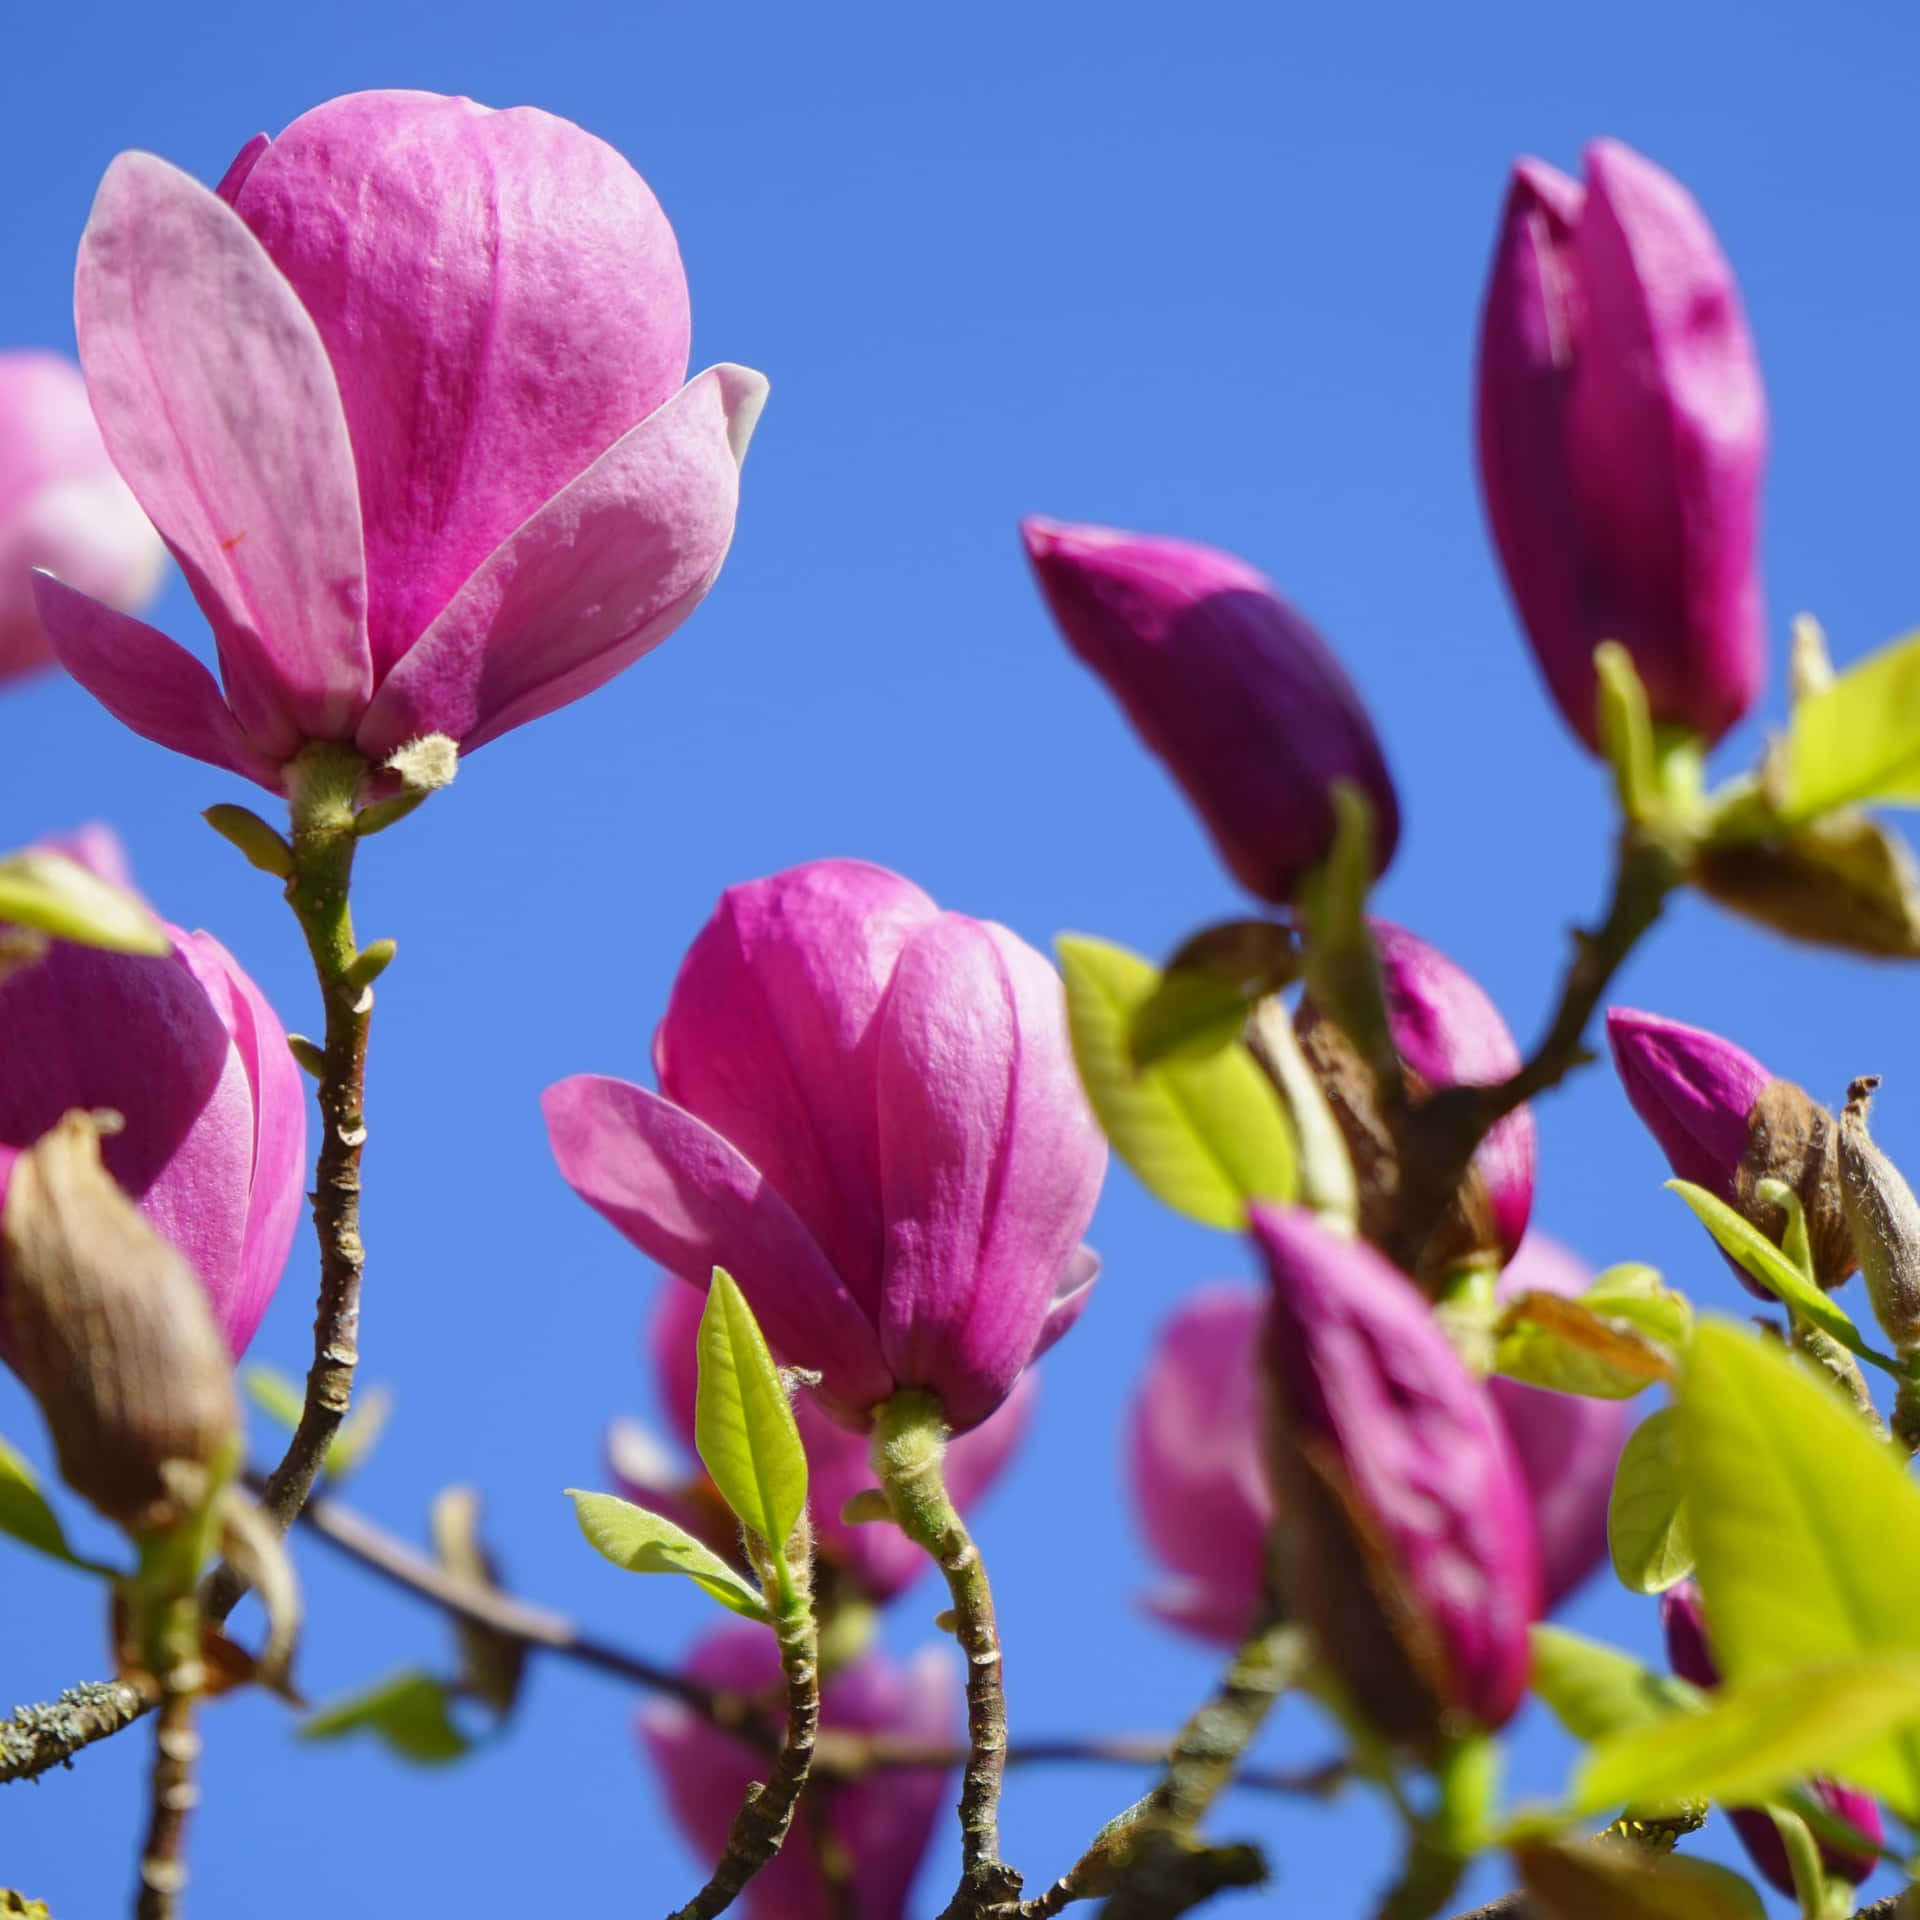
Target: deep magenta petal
(1233, 690)
(1195, 1463)
(990, 1161)
(688, 1199)
(1692, 1089)
(216, 400)
(501, 299)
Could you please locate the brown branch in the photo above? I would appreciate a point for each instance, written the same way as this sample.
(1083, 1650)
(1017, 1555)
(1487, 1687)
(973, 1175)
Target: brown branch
(40, 1738)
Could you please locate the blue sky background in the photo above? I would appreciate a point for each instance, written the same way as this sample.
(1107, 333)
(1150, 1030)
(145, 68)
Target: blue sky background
(1210, 270)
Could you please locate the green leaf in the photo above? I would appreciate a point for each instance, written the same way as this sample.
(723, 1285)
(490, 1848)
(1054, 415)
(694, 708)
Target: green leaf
(1647, 1533)
(1578, 1346)
(1626, 730)
(52, 894)
(1857, 741)
(1806, 1529)
(277, 1396)
(1204, 1136)
(743, 1425)
(1754, 1253)
(25, 1515)
(1750, 1741)
(407, 1710)
(1606, 1880)
(641, 1542)
(1187, 1016)
(1636, 1294)
(1595, 1690)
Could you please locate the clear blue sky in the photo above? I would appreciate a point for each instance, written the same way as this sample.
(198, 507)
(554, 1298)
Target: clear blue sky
(1210, 270)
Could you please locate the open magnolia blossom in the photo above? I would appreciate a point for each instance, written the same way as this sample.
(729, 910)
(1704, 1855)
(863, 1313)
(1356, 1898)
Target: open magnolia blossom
(212, 1140)
(63, 508)
(869, 1115)
(404, 397)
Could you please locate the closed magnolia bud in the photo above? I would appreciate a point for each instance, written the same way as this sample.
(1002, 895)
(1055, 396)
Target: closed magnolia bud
(1404, 1533)
(110, 1331)
(1448, 1033)
(1234, 691)
(1728, 1125)
(1690, 1658)
(1622, 431)
(1884, 1219)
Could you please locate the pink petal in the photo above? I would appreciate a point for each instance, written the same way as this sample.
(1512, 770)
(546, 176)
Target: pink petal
(148, 682)
(215, 398)
(689, 1200)
(1071, 1294)
(771, 1033)
(990, 1161)
(501, 298)
(600, 574)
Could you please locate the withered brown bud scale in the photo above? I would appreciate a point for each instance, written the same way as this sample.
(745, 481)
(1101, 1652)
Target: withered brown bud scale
(1884, 1219)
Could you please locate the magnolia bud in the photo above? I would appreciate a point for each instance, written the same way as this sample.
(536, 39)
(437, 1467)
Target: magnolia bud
(111, 1333)
(1884, 1219)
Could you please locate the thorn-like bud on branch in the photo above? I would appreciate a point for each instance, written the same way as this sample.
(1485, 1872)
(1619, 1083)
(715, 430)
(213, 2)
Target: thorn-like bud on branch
(1884, 1219)
(263, 846)
(311, 1056)
(371, 962)
(111, 1332)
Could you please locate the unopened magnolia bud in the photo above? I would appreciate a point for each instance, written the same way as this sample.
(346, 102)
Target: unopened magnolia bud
(1884, 1219)
(1792, 1138)
(111, 1333)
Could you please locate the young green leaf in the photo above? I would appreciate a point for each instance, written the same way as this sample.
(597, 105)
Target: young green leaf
(407, 1710)
(1647, 1532)
(743, 1425)
(1595, 1690)
(1806, 1528)
(274, 1393)
(1204, 1135)
(642, 1542)
(1857, 741)
(1756, 1254)
(1187, 1016)
(1605, 1880)
(52, 894)
(1749, 1741)
(1637, 1295)
(1568, 1346)
(25, 1515)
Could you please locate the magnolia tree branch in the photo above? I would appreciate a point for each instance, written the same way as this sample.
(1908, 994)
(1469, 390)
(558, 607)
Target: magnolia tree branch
(40, 1738)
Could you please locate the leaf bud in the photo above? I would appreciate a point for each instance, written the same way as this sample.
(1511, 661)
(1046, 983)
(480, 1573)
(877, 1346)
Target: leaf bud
(111, 1333)
(1884, 1219)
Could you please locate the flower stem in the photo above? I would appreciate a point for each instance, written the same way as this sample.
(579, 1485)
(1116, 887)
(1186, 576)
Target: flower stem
(173, 1656)
(767, 1812)
(909, 1446)
(324, 783)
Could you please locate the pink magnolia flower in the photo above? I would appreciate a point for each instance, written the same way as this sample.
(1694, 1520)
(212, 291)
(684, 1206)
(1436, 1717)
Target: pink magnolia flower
(1568, 1446)
(869, 1115)
(1622, 435)
(876, 1557)
(1234, 691)
(190, 1055)
(62, 506)
(1685, 1626)
(879, 1826)
(1197, 1462)
(1404, 1518)
(404, 398)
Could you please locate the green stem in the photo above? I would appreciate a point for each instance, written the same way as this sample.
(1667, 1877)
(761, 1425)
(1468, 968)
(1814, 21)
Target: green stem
(761, 1825)
(324, 784)
(909, 1446)
(173, 1657)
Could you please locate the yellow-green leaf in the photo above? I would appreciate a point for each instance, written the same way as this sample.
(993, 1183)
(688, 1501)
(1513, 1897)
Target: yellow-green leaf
(25, 1515)
(641, 1542)
(1857, 741)
(743, 1425)
(1571, 1346)
(1595, 1690)
(1647, 1532)
(1750, 1741)
(1609, 1880)
(1206, 1136)
(52, 894)
(407, 1710)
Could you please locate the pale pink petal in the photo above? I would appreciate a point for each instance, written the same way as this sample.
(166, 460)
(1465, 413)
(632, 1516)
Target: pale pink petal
(217, 403)
(1071, 1294)
(148, 682)
(501, 298)
(689, 1200)
(598, 576)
